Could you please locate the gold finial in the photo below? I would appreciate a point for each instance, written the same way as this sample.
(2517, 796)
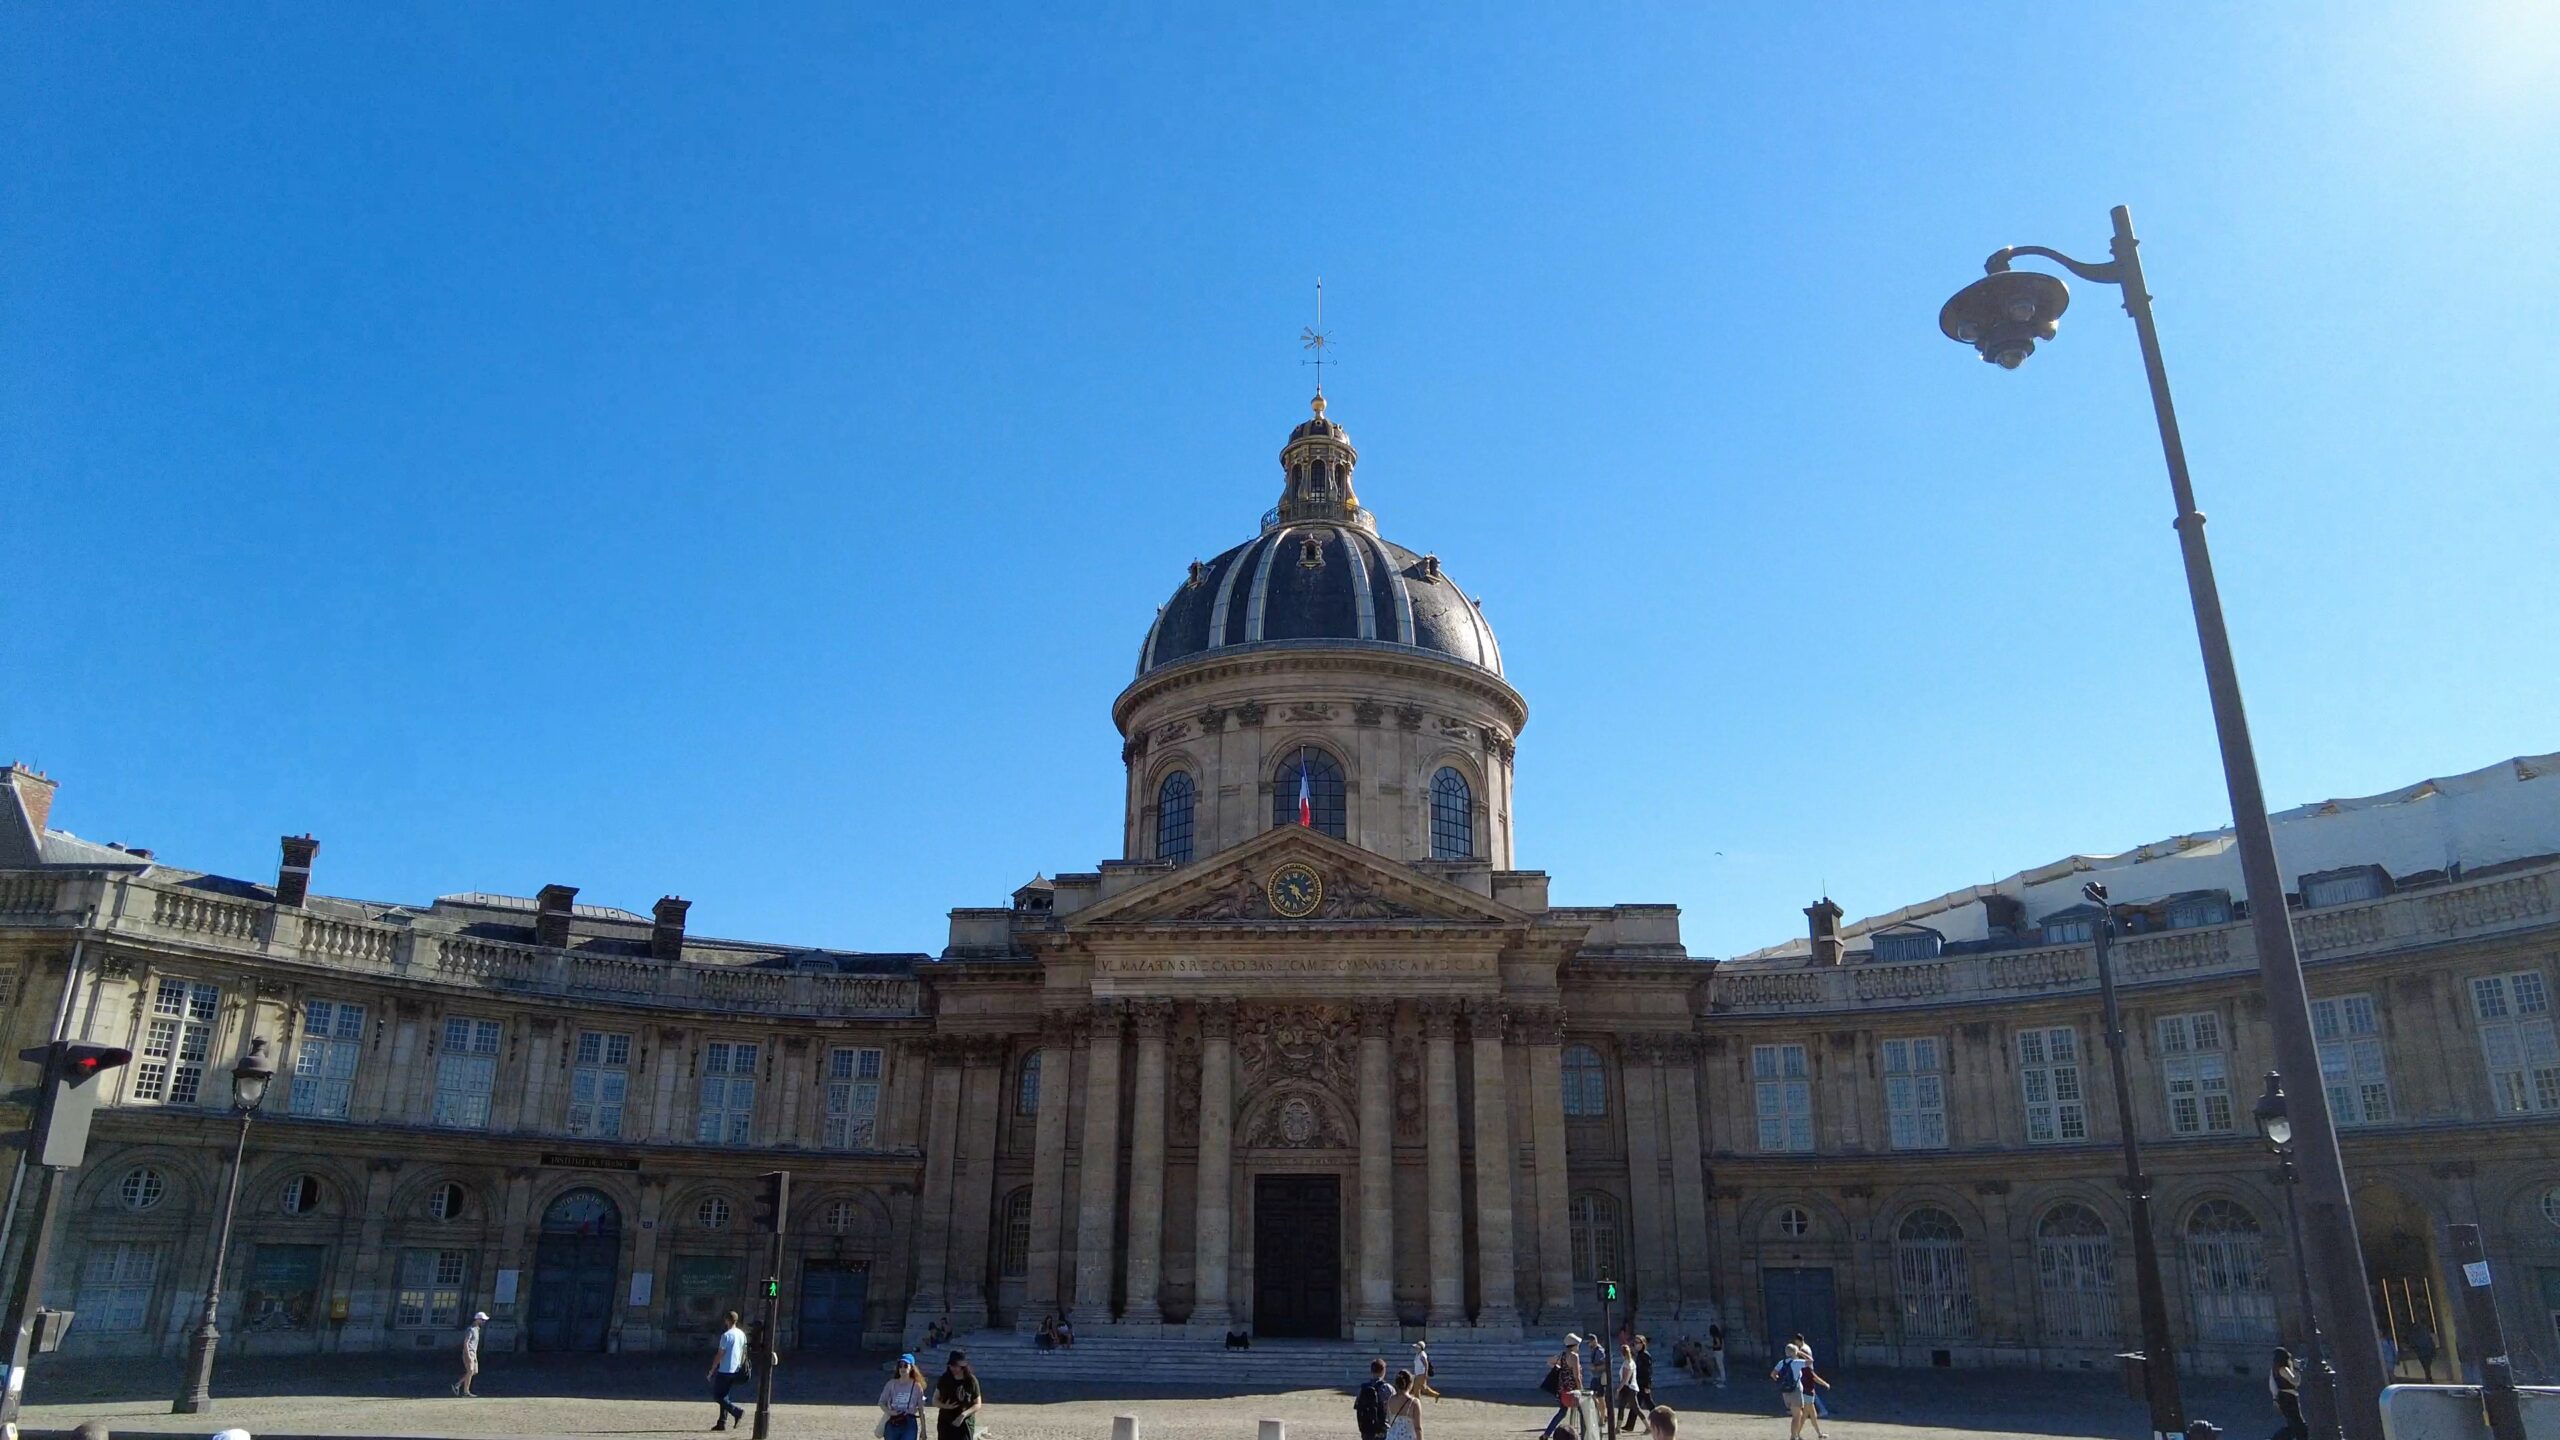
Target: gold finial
(1318, 403)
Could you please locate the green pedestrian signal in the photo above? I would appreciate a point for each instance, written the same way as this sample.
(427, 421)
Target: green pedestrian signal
(1608, 1292)
(773, 1289)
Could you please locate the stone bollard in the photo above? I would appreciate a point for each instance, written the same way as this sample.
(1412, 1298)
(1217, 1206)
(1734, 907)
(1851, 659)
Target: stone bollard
(1124, 1427)
(1271, 1430)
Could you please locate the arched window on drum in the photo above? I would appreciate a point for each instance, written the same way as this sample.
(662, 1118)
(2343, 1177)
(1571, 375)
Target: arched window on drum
(1174, 801)
(1453, 816)
(2076, 1277)
(1306, 788)
(1933, 1276)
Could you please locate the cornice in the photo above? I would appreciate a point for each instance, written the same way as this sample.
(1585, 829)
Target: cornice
(1335, 657)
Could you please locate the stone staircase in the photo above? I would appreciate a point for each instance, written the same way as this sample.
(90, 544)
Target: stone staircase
(1002, 1358)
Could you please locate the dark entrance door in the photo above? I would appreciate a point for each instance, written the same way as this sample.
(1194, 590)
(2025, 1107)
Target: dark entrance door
(574, 1264)
(1297, 1256)
(1798, 1302)
(834, 1297)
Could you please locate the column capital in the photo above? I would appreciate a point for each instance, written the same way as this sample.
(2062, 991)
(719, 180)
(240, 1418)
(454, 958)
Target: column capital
(1439, 1018)
(1061, 1027)
(1104, 1020)
(1537, 1023)
(1217, 1019)
(1152, 1017)
(1486, 1018)
(1377, 1022)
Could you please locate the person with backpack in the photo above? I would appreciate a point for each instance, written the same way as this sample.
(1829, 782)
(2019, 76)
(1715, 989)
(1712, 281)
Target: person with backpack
(1798, 1383)
(1422, 1370)
(1369, 1405)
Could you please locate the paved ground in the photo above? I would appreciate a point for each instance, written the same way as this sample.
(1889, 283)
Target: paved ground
(660, 1395)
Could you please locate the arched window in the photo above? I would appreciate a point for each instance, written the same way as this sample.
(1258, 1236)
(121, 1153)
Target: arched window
(1173, 817)
(301, 1195)
(1014, 1259)
(1453, 816)
(1933, 1276)
(1026, 1091)
(141, 1188)
(2076, 1276)
(712, 1214)
(446, 1202)
(1593, 1234)
(1307, 785)
(1586, 1084)
(2227, 1276)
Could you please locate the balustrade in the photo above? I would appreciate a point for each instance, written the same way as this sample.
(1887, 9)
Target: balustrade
(344, 942)
(28, 894)
(199, 915)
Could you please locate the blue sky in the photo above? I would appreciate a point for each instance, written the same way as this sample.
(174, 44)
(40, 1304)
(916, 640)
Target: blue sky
(737, 452)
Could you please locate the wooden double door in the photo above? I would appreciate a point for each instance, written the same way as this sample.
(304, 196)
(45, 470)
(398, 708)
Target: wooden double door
(1297, 1256)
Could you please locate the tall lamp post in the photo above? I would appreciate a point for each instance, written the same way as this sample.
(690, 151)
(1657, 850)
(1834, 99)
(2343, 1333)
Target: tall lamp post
(2319, 1382)
(249, 1080)
(2159, 1353)
(2003, 315)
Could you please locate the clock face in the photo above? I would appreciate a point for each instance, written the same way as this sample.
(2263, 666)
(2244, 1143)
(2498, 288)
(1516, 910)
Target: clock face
(1295, 890)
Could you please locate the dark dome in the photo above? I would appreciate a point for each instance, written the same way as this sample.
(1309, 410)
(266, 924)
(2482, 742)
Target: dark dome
(1322, 582)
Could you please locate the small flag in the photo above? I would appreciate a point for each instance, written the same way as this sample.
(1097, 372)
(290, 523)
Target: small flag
(1306, 797)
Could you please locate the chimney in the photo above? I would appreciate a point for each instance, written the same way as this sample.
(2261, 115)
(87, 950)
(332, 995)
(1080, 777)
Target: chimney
(293, 877)
(551, 915)
(2004, 917)
(1826, 930)
(666, 937)
(35, 794)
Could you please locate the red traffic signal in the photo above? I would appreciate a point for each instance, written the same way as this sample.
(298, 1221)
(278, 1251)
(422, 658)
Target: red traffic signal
(70, 1097)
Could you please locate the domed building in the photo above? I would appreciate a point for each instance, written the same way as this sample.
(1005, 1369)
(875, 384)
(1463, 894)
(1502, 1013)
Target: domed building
(1312, 1055)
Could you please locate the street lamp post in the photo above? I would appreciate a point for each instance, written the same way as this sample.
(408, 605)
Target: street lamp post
(2159, 1353)
(249, 1080)
(2319, 1382)
(2003, 315)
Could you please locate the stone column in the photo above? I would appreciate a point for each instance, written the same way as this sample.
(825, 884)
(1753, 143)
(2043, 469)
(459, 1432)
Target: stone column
(1098, 1190)
(1440, 1160)
(1146, 1166)
(1541, 1028)
(1697, 1298)
(1645, 1240)
(974, 1183)
(1376, 1316)
(933, 1213)
(1211, 1240)
(1496, 1310)
(1048, 1169)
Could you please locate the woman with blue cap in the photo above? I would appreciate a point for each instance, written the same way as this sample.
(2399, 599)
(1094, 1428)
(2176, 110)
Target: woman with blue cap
(902, 1400)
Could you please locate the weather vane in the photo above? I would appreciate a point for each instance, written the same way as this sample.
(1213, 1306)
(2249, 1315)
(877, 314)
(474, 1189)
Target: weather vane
(1313, 338)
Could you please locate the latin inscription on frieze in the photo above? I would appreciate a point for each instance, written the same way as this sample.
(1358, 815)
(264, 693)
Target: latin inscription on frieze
(1229, 966)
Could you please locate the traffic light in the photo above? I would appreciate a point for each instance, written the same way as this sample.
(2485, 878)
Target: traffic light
(1608, 1292)
(773, 1201)
(70, 1090)
(772, 1289)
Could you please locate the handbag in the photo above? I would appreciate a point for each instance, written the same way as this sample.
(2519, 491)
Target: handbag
(1554, 1383)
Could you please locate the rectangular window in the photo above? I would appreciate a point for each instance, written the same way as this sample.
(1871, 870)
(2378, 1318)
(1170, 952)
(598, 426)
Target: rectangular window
(431, 1288)
(175, 1040)
(597, 1084)
(115, 1285)
(324, 1058)
(1782, 1097)
(853, 1099)
(2514, 1013)
(1915, 1093)
(727, 1113)
(466, 1071)
(2049, 1080)
(9, 974)
(2351, 1069)
(2196, 1072)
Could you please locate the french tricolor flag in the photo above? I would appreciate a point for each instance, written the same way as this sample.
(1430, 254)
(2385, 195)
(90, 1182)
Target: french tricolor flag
(1306, 797)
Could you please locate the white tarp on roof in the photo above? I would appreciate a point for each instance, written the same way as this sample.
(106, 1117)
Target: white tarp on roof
(2506, 811)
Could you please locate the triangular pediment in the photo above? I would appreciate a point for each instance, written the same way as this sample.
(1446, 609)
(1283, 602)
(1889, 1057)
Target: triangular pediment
(1232, 887)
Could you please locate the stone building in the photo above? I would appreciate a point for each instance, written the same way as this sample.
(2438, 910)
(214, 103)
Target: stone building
(1312, 1055)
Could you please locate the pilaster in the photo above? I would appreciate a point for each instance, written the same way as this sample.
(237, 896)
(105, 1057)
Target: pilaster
(1497, 1310)
(1375, 1317)
(1696, 1301)
(1098, 1176)
(941, 1159)
(1541, 1028)
(1140, 1305)
(1440, 1161)
(1212, 1231)
(1048, 1168)
(1640, 1071)
(973, 1190)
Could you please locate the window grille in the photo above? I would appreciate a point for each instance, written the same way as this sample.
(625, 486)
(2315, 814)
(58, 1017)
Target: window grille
(1174, 802)
(1014, 1259)
(1934, 1277)
(1593, 1234)
(2227, 1276)
(1026, 1090)
(2349, 1033)
(1453, 816)
(599, 1084)
(2196, 1073)
(2514, 1014)
(116, 1280)
(2076, 1277)
(466, 1072)
(430, 1292)
(175, 1042)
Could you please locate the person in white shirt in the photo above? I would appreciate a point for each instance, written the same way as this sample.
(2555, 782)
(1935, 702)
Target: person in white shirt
(471, 1354)
(728, 1367)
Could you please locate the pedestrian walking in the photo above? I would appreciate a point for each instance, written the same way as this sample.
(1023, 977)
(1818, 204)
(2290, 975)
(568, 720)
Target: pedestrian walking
(902, 1400)
(1422, 1370)
(1798, 1383)
(1369, 1406)
(1715, 1352)
(2422, 1348)
(1622, 1394)
(956, 1397)
(728, 1368)
(471, 1354)
(1404, 1413)
(1564, 1377)
(1644, 1375)
(2284, 1387)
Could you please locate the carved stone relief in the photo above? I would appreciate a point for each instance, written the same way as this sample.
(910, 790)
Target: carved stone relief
(1295, 1120)
(1408, 1088)
(1299, 1042)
